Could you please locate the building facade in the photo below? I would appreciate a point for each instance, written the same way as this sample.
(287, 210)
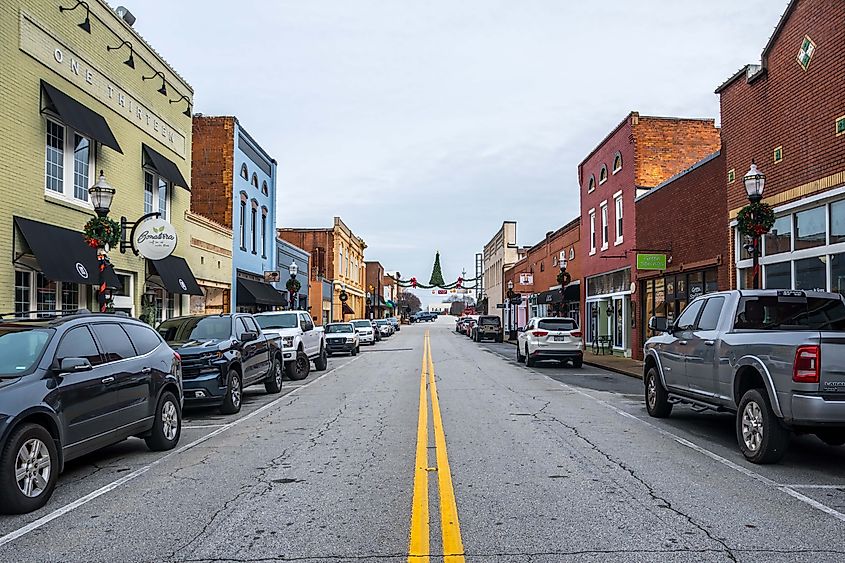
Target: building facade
(639, 154)
(378, 307)
(235, 186)
(788, 115)
(210, 257)
(499, 255)
(286, 255)
(339, 254)
(73, 106)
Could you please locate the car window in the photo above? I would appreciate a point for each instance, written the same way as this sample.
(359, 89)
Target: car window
(710, 315)
(557, 324)
(306, 322)
(489, 321)
(788, 313)
(196, 328)
(116, 344)
(240, 327)
(20, 349)
(339, 328)
(143, 338)
(687, 319)
(250, 324)
(78, 343)
(282, 320)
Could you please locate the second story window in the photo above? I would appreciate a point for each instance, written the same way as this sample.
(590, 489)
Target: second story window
(254, 224)
(617, 163)
(244, 172)
(593, 231)
(156, 194)
(264, 232)
(69, 160)
(242, 217)
(255, 179)
(264, 189)
(604, 227)
(619, 220)
(603, 174)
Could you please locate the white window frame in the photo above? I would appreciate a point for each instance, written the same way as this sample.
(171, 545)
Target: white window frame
(69, 164)
(33, 295)
(158, 181)
(618, 221)
(592, 232)
(605, 228)
(242, 216)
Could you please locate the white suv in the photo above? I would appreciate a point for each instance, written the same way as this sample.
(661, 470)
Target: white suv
(365, 330)
(550, 338)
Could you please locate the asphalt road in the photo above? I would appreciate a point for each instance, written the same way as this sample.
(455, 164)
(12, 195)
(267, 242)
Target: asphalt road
(510, 464)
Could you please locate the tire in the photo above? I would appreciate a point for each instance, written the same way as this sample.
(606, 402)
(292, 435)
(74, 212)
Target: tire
(13, 500)
(656, 397)
(273, 383)
(299, 368)
(832, 437)
(578, 362)
(167, 427)
(519, 357)
(761, 437)
(234, 393)
(500, 339)
(529, 361)
(322, 361)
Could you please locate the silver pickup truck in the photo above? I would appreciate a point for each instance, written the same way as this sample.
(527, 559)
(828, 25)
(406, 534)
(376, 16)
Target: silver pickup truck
(775, 358)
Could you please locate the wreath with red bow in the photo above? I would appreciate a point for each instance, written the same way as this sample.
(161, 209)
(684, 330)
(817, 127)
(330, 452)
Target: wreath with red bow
(101, 232)
(755, 219)
(293, 285)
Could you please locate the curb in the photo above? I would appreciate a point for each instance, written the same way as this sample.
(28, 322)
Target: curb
(614, 370)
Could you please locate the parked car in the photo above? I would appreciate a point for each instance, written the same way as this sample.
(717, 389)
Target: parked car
(302, 342)
(222, 355)
(489, 326)
(423, 316)
(776, 358)
(74, 384)
(376, 331)
(342, 338)
(469, 324)
(366, 332)
(384, 327)
(550, 338)
(397, 326)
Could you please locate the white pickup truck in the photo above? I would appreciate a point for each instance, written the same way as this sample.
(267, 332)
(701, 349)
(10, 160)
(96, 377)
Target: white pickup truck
(302, 342)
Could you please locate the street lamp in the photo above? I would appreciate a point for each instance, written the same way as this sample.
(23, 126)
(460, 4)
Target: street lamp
(754, 182)
(510, 311)
(293, 269)
(101, 195)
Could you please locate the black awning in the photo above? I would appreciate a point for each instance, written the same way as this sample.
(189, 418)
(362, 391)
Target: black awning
(62, 254)
(572, 292)
(251, 292)
(177, 276)
(163, 165)
(77, 116)
(347, 310)
(550, 297)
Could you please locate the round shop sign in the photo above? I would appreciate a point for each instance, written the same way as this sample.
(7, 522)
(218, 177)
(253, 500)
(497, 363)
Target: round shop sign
(80, 269)
(155, 239)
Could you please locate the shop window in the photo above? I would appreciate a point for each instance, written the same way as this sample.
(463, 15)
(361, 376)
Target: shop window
(69, 161)
(70, 296)
(779, 238)
(617, 163)
(22, 292)
(837, 273)
(244, 172)
(778, 276)
(711, 281)
(811, 274)
(810, 228)
(837, 222)
(156, 194)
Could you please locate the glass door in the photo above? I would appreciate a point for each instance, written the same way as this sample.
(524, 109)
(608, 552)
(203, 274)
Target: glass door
(618, 323)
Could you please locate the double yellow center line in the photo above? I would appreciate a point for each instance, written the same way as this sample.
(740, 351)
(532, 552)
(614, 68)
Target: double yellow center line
(419, 548)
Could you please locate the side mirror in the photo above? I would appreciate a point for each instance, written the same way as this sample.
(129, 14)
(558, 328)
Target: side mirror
(249, 336)
(521, 329)
(73, 365)
(659, 324)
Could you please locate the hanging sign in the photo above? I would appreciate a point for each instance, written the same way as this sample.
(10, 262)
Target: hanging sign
(651, 261)
(154, 239)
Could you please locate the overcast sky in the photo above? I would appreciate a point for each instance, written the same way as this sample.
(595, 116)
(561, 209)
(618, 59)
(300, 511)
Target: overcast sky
(424, 125)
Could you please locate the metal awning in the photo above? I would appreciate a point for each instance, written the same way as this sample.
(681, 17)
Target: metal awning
(251, 292)
(176, 275)
(163, 165)
(77, 116)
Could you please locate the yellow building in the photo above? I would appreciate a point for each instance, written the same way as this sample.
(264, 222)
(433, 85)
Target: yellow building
(82, 92)
(210, 255)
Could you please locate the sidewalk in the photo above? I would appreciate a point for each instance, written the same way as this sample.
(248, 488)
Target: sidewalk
(617, 364)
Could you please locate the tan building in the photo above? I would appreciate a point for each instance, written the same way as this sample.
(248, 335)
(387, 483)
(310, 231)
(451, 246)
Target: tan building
(343, 254)
(500, 254)
(210, 256)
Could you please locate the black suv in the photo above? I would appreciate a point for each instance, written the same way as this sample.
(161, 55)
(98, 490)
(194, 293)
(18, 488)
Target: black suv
(73, 384)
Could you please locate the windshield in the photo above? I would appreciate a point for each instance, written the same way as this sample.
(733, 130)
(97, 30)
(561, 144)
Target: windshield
(339, 328)
(196, 328)
(362, 324)
(557, 324)
(489, 321)
(779, 313)
(282, 320)
(21, 348)
(381, 322)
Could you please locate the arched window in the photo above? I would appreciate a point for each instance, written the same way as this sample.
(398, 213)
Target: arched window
(255, 179)
(242, 218)
(244, 172)
(617, 162)
(254, 224)
(591, 185)
(603, 174)
(264, 231)
(264, 189)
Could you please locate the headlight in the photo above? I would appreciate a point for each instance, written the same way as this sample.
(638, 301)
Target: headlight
(350, 340)
(212, 355)
(287, 341)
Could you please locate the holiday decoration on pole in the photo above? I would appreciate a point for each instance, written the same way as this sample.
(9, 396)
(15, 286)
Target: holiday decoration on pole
(755, 219)
(564, 278)
(436, 273)
(101, 232)
(436, 280)
(293, 285)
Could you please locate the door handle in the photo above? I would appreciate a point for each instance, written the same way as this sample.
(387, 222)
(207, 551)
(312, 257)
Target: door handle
(682, 342)
(146, 370)
(107, 380)
(709, 342)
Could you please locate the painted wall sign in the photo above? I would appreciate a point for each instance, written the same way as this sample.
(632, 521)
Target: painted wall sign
(58, 57)
(651, 261)
(155, 239)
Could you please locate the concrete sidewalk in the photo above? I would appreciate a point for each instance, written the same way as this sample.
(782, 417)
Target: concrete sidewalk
(617, 364)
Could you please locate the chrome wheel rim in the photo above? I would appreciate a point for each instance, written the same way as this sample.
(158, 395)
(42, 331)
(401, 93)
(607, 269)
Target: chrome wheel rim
(169, 420)
(651, 392)
(752, 426)
(236, 390)
(32, 468)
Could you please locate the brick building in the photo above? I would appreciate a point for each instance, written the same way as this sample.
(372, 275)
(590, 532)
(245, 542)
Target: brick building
(639, 154)
(697, 259)
(788, 114)
(375, 280)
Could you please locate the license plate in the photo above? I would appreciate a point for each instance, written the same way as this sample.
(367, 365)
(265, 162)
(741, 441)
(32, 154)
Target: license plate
(560, 339)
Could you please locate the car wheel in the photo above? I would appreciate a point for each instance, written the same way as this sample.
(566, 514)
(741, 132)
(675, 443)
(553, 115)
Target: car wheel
(761, 437)
(28, 470)
(322, 361)
(832, 437)
(656, 398)
(234, 394)
(519, 356)
(529, 361)
(167, 426)
(298, 369)
(578, 362)
(273, 383)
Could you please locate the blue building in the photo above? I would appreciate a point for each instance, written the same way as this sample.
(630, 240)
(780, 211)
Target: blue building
(287, 254)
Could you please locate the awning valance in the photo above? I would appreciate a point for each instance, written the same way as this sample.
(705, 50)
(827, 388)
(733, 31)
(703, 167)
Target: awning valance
(77, 116)
(163, 165)
(251, 292)
(347, 310)
(176, 275)
(62, 254)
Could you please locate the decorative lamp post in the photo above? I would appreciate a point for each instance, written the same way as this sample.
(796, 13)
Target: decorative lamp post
(756, 218)
(511, 330)
(102, 233)
(293, 285)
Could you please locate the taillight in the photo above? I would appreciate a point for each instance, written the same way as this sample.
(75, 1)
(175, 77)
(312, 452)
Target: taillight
(575, 334)
(807, 366)
(540, 333)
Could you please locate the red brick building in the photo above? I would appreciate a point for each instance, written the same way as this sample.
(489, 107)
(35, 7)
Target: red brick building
(374, 287)
(788, 114)
(696, 249)
(639, 154)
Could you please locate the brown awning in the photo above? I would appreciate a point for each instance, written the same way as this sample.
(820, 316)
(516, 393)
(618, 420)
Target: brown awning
(347, 310)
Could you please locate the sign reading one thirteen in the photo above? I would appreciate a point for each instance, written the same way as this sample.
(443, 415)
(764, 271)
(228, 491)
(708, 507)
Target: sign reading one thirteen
(651, 261)
(155, 239)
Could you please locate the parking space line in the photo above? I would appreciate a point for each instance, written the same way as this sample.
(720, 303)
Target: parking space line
(194, 427)
(47, 518)
(791, 486)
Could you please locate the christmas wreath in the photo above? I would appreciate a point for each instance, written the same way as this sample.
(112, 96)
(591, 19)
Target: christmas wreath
(755, 219)
(102, 232)
(564, 277)
(293, 285)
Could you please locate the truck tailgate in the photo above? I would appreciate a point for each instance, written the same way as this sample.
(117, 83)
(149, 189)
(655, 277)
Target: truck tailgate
(832, 377)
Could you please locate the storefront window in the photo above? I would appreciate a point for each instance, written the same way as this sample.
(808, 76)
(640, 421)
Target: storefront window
(743, 278)
(779, 276)
(837, 273)
(810, 228)
(659, 298)
(837, 222)
(70, 296)
(22, 292)
(45, 294)
(811, 273)
(614, 282)
(711, 281)
(779, 238)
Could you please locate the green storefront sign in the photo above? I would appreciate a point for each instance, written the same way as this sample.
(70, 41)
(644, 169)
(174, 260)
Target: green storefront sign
(651, 261)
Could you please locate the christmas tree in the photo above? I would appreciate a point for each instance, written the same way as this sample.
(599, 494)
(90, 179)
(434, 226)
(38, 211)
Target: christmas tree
(436, 273)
